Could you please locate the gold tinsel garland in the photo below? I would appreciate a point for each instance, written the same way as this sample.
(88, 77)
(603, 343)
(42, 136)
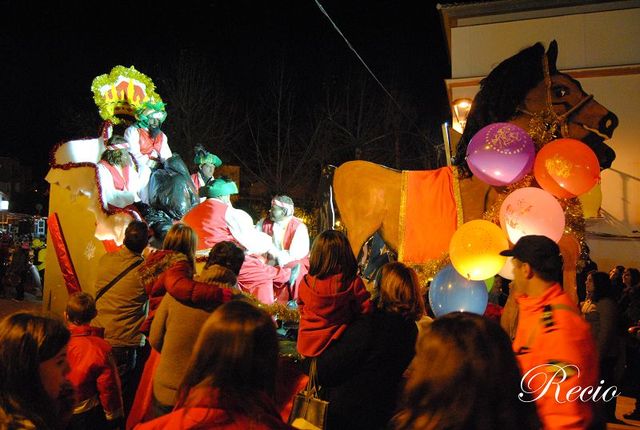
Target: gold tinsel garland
(543, 127)
(428, 270)
(276, 310)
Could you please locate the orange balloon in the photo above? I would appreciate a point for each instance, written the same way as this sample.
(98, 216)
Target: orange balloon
(566, 168)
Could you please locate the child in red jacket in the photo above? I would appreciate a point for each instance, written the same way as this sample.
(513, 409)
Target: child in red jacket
(331, 295)
(93, 371)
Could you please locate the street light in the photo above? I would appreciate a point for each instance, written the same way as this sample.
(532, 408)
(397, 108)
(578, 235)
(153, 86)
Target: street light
(461, 108)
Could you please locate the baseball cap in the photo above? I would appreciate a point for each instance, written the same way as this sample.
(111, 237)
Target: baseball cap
(540, 252)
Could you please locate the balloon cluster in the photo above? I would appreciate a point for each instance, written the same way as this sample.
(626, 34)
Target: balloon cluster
(502, 154)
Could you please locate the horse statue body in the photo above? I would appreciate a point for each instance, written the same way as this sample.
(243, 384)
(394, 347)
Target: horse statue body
(526, 90)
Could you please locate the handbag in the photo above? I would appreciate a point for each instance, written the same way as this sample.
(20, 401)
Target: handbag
(309, 411)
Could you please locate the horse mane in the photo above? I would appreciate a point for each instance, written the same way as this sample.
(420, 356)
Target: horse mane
(501, 92)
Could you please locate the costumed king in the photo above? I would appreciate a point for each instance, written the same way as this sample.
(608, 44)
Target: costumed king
(120, 179)
(148, 143)
(290, 238)
(216, 220)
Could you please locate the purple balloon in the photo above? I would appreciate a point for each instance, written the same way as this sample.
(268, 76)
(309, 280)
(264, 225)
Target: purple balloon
(501, 154)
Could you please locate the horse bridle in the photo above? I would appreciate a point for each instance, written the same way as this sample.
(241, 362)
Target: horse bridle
(561, 121)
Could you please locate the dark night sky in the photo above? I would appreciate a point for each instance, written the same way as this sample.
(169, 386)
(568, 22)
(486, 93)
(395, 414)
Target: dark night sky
(51, 51)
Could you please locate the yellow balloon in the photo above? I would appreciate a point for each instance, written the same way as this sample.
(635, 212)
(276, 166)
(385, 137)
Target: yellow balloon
(591, 201)
(475, 249)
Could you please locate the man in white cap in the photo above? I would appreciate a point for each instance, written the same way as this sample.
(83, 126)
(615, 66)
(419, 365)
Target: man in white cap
(119, 177)
(290, 238)
(216, 220)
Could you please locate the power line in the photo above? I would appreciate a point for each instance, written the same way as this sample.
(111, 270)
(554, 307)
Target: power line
(357, 55)
(413, 123)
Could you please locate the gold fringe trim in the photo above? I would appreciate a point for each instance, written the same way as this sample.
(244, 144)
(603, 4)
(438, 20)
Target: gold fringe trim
(456, 195)
(403, 213)
(276, 309)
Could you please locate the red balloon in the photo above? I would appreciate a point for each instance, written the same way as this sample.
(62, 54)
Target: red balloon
(566, 168)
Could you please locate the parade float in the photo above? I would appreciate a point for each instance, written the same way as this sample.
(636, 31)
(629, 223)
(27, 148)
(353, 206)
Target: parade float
(81, 228)
(534, 141)
(525, 162)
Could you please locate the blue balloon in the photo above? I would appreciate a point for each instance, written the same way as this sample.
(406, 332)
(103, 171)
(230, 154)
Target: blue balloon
(451, 292)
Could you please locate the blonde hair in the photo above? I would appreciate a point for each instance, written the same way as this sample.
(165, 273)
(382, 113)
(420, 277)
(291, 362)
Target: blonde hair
(400, 291)
(182, 238)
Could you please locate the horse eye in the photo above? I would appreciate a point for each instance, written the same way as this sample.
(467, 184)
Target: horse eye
(560, 91)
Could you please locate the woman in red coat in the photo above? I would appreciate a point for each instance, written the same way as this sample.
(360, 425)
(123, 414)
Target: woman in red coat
(331, 295)
(230, 383)
(170, 270)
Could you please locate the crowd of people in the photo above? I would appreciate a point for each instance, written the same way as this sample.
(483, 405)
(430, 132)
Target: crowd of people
(22, 264)
(612, 308)
(159, 346)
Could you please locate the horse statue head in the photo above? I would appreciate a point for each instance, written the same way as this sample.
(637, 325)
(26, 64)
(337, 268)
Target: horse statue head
(528, 90)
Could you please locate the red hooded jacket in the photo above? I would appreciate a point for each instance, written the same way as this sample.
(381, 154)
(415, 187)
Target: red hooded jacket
(93, 372)
(325, 311)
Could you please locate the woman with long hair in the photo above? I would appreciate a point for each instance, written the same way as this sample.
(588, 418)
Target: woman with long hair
(231, 378)
(400, 292)
(176, 326)
(331, 295)
(171, 270)
(361, 373)
(465, 376)
(34, 389)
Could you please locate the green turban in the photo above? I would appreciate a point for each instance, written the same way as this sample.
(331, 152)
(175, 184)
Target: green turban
(204, 157)
(148, 110)
(219, 187)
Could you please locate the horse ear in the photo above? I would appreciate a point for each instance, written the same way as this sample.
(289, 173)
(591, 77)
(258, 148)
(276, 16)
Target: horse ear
(552, 56)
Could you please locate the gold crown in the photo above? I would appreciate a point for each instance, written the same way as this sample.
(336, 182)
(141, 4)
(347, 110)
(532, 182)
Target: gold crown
(122, 92)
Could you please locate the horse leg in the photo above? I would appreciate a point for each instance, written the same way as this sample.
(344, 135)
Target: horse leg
(360, 230)
(361, 201)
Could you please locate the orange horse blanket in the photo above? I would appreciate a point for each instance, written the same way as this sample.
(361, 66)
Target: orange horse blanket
(429, 214)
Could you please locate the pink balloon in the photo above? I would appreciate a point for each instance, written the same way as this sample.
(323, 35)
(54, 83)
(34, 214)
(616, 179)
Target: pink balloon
(501, 154)
(531, 211)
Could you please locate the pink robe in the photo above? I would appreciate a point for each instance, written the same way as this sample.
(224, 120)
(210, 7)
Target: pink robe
(292, 226)
(256, 277)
